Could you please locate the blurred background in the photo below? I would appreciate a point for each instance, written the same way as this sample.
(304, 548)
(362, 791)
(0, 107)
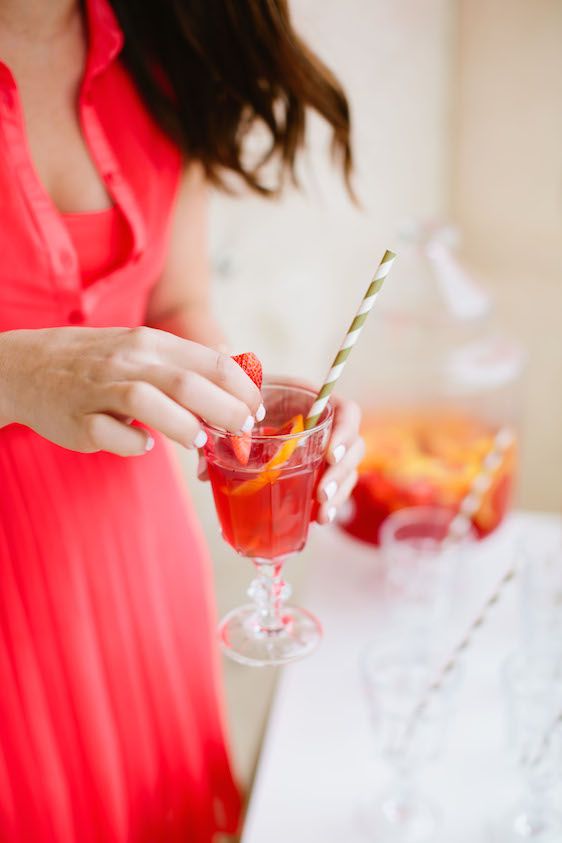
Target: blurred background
(457, 114)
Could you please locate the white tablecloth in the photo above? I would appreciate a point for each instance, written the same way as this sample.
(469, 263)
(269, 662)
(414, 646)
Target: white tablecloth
(318, 760)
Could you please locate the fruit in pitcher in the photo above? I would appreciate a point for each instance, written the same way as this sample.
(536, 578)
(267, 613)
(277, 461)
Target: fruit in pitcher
(425, 458)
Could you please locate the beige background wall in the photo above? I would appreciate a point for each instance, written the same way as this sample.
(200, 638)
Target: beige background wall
(506, 193)
(280, 266)
(458, 110)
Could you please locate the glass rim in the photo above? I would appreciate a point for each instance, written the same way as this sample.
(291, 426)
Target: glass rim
(409, 516)
(328, 412)
(528, 662)
(377, 657)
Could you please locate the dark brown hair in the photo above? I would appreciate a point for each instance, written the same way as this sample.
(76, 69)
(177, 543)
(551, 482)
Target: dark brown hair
(209, 70)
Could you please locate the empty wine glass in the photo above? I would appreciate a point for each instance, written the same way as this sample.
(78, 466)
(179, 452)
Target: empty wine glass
(532, 685)
(420, 567)
(541, 594)
(395, 681)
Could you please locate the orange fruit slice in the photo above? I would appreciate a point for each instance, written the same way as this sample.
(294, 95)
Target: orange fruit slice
(271, 471)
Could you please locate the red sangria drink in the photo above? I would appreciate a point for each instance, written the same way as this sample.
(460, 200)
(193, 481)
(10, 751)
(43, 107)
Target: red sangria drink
(264, 486)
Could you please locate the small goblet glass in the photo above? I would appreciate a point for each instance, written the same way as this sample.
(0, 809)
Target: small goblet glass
(395, 681)
(420, 568)
(532, 685)
(541, 595)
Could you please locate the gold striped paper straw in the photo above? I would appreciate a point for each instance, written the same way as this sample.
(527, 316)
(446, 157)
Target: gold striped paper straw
(350, 339)
(544, 743)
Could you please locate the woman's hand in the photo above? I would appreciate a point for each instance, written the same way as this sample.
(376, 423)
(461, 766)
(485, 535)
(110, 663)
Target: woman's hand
(80, 387)
(345, 452)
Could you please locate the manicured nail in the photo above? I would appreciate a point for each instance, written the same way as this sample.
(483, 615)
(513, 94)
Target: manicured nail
(149, 444)
(200, 439)
(331, 514)
(329, 490)
(260, 413)
(338, 453)
(248, 425)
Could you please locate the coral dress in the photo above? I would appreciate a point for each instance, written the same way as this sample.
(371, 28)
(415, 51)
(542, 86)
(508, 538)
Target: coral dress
(111, 727)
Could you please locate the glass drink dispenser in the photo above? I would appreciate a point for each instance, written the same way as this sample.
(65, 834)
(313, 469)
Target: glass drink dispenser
(437, 380)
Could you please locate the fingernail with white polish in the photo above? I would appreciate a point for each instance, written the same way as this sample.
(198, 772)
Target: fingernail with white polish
(248, 425)
(338, 453)
(260, 413)
(200, 439)
(149, 444)
(331, 514)
(329, 490)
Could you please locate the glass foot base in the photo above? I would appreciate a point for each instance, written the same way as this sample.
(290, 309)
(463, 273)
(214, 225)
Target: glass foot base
(244, 641)
(520, 826)
(397, 821)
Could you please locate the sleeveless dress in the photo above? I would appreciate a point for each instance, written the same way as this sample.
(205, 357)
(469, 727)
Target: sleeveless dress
(111, 719)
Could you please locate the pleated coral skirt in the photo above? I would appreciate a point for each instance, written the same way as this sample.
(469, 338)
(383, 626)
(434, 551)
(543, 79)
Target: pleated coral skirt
(111, 726)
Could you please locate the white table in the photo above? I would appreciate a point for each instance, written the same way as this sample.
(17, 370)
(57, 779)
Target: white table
(318, 759)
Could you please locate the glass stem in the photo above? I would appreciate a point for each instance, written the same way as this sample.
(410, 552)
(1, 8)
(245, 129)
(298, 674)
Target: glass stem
(402, 798)
(534, 806)
(404, 787)
(269, 592)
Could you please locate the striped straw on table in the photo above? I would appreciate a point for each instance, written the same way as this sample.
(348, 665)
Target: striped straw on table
(350, 339)
(545, 742)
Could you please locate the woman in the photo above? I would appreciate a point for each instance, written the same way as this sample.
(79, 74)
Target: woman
(113, 119)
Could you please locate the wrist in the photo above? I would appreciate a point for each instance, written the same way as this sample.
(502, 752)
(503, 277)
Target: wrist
(7, 397)
(196, 323)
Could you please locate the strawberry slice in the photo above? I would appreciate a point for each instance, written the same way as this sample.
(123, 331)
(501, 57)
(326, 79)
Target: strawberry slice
(251, 365)
(242, 445)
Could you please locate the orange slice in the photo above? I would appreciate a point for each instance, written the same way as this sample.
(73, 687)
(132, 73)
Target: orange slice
(271, 471)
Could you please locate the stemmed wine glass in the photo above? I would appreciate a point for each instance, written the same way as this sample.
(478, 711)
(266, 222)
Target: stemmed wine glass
(532, 685)
(420, 569)
(264, 506)
(541, 594)
(395, 680)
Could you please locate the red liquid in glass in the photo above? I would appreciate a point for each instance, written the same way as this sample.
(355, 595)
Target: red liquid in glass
(271, 521)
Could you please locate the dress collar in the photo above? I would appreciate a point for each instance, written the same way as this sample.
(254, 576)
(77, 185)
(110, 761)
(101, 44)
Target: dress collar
(104, 35)
(105, 40)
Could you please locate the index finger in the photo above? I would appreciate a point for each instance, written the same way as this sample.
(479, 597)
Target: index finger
(218, 368)
(223, 371)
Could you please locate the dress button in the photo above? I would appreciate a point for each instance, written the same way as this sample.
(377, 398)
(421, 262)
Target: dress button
(76, 317)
